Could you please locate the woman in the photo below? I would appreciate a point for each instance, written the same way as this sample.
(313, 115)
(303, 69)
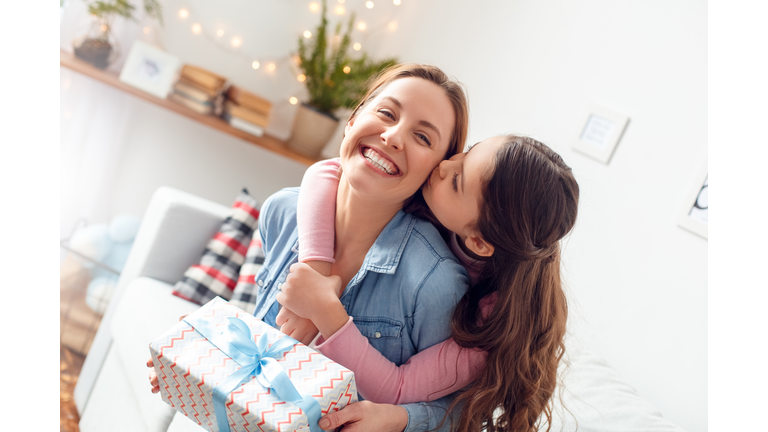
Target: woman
(399, 276)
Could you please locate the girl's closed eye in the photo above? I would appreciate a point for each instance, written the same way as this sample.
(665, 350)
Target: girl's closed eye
(455, 185)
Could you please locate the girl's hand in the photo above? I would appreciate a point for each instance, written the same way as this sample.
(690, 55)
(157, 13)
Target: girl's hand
(301, 329)
(366, 416)
(307, 293)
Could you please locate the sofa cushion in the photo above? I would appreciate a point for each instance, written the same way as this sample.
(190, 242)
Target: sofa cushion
(146, 310)
(217, 272)
(246, 291)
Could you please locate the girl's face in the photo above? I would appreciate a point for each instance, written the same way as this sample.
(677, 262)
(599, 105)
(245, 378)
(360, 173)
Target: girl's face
(395, 141)
(454, 190)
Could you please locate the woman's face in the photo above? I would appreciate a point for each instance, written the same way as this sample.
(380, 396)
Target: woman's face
(454, 190)
(395, 141)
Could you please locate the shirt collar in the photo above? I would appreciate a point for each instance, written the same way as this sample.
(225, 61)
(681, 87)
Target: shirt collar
(384, 255)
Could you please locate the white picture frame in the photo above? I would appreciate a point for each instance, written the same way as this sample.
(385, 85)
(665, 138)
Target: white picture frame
(150, 69)
(600, 131)
(694, 212)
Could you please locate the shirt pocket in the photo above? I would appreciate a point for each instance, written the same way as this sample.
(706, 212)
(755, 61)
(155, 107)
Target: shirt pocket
(384, 334)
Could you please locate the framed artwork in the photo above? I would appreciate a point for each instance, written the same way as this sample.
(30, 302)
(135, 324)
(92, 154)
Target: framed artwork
(694, 213)
(150, 69)
(600, 132)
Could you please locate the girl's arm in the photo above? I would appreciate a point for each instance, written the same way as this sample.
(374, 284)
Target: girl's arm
(315, 214)
(432, 373)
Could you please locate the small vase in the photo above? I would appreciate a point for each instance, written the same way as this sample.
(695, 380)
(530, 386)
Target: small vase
(96, 45)
(311, 131)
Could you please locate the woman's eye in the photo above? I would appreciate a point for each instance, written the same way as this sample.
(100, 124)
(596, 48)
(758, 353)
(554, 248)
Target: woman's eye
(455, 185)
(425, 139)
(387, 113)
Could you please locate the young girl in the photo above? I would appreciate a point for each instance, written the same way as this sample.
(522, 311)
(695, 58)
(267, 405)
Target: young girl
(508, 201)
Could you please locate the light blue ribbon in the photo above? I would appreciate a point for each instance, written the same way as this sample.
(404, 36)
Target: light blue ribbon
(255, 359)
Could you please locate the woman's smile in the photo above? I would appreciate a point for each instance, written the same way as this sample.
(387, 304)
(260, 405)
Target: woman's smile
(379, 161)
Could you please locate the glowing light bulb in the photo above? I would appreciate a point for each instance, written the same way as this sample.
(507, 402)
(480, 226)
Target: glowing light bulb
(357, 46)
(196, 28)
(339, 10)
(392, 26)
(271, 67)
(103, 27)
(301, 77)
(361, 26)
(236, 41)
(183, 14)
(396, 2)
(307, 34)
(293, 100)
(146, 30)
(219, 32)
(255, 64)
(314, 7)
(347, 69)
(369, 4)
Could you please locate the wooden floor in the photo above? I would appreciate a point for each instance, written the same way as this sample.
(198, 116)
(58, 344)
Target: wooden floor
(71, 362)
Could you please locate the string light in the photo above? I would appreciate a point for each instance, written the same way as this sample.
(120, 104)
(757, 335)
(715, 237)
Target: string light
(314, 7)
(347, 69)
(392, 26)
(183, 14)
(396, 2)
(236, 41)
(357, 46)
(361, 26)
(307, 34)
(339, 10)
(293, 100)
(196, 28)
(219, 32)
(255, 65)
(103, 27)
(369, 4)
(271, 67)
(146, 30)
(301, 77)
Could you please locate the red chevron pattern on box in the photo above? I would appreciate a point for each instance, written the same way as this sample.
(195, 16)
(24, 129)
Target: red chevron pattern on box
(188, 367)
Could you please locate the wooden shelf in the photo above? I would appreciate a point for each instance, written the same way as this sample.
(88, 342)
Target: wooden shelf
(69, 61)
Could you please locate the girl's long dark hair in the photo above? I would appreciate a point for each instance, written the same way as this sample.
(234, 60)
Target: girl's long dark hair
(529, 204)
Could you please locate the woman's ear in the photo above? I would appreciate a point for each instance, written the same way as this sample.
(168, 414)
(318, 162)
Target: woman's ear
(478, 246)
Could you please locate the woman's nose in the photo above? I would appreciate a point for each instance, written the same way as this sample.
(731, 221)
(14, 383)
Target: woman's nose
(393, 137)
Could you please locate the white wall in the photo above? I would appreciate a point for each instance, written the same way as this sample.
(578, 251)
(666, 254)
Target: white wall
(637, 282)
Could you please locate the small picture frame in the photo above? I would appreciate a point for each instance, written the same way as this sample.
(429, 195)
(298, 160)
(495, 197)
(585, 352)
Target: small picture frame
(150, 69)
(694, 213)
(600, 132)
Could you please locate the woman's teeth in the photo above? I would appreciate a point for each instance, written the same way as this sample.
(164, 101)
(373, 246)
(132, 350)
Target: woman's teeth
(380, 163)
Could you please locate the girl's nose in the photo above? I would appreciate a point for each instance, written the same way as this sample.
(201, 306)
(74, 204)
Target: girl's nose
(443, 167)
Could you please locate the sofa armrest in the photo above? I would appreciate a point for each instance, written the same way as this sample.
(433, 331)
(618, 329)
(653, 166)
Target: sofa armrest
(174, 232)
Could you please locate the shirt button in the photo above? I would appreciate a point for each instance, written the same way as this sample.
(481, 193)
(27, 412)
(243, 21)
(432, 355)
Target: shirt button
(377, 335)
(260, 283)
(279, 286)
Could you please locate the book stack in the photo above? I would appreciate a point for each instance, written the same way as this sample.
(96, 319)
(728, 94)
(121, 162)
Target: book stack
(199, 90)
(246, 111)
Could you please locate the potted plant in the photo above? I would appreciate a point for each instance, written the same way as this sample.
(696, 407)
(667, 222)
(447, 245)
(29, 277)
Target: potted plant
(334, 80)
(98, 47)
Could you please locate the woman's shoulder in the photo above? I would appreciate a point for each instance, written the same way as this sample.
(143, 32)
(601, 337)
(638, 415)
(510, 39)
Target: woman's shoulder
(280, 208)
(426, 249)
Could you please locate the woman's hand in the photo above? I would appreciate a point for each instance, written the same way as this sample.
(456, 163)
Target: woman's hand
(306, 292)
(367, 416)
(152, 374)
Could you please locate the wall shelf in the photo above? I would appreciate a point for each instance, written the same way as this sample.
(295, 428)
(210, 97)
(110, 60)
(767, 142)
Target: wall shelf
(69, 61)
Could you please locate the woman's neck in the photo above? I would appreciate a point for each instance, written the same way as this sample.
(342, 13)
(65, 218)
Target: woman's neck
(359, 222)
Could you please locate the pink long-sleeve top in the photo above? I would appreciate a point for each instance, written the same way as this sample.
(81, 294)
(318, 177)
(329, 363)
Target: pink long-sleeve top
(431, 374)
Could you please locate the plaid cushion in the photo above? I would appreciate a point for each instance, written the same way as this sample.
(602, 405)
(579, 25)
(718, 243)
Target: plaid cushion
(217, 272)
(246, 290)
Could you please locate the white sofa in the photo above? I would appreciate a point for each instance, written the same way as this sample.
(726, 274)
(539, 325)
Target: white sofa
(113, 392)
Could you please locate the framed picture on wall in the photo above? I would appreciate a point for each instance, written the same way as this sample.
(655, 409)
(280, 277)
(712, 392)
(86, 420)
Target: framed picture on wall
(150, 69)
(694, 214)
(600, 132)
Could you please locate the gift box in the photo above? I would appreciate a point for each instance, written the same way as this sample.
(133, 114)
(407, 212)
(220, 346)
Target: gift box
(226, 370)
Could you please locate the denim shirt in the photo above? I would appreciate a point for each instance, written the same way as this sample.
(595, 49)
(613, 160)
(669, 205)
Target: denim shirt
(402, 298)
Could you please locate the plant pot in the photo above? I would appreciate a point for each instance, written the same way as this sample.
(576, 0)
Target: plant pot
(311, 131)
(96, 45)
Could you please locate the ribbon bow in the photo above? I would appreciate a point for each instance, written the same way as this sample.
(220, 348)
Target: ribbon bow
(255, 359)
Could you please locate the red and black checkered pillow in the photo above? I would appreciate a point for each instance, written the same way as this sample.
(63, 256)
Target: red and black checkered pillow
(218, 271)
(246, 290)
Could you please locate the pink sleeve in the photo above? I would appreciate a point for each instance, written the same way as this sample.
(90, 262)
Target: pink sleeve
(316, 211)
(431, 374)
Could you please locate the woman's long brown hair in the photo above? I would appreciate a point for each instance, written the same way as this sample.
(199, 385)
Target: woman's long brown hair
(529, 204)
